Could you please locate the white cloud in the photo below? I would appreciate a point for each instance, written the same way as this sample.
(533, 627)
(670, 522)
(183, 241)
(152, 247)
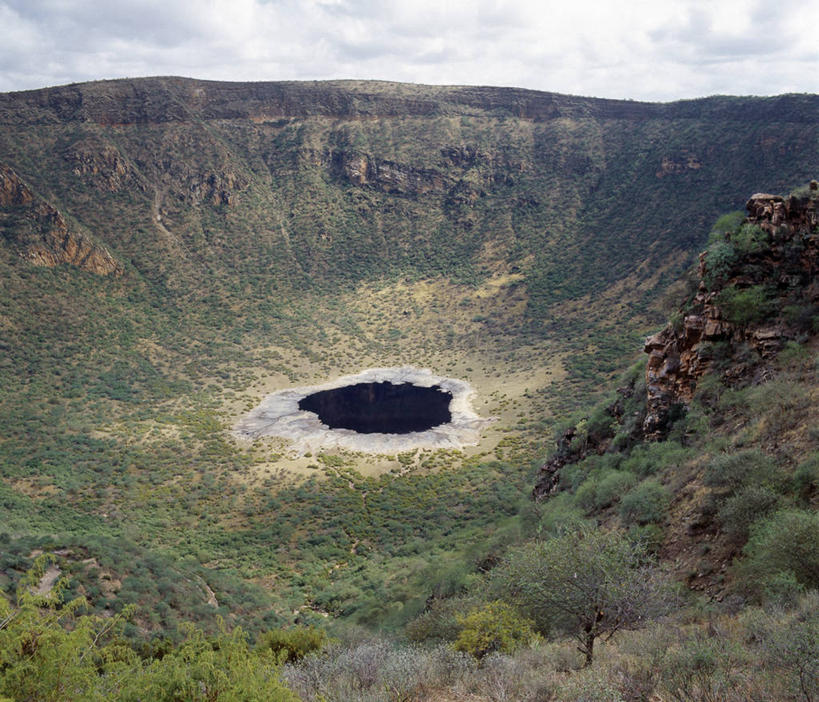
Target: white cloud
(637, 49)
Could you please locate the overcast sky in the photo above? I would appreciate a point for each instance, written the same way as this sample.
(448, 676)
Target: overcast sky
(640, 49)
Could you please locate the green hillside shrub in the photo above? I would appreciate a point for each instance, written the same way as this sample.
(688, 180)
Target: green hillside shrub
(559, 513)
(726, 224)
(787, 642)
(51, 651)
(656, 457)
(785, 544)
(749, 239)
(440, 620)
(746, 305)
(746, 468)
(494, 628)
(288, 645)
(720, 257)
(806, 477)
(645, 504)
(604, 489)
(742, 509)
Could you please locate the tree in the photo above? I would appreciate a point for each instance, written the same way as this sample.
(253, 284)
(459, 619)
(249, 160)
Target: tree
(589, 583)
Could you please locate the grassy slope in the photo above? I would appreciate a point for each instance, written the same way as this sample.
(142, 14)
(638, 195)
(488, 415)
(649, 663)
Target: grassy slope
(117, 393)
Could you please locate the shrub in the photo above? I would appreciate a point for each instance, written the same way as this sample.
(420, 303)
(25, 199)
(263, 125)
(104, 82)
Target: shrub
(747, 468)
(589, 685)
(698, 669)
(806, 477)
(376, 671)
(559, 514)
(742, 509)
(656, 457)
(745, 305)
(719, 258)
(749, 238)
(495, 628)
(727, 223)
(292, 644)
(786, 542)
(645, 504)
(789, 642)
(603, 490)
(440, 620)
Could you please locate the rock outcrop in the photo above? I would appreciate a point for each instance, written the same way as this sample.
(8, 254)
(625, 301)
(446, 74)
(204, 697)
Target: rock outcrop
(387, 176)
(100, 164)
(783, 259)
(41, 234)
(776, 250)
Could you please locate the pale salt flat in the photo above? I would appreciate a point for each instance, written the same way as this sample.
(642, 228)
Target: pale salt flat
(279, 415)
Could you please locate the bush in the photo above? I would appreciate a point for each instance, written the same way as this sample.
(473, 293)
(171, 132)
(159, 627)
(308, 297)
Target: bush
(726, 224)
(806, 477)
(719, 258)
(745, 305)
(786, 543)
(290, 645)
(603, 490)
(788, 642)
(495, 628)
(376, 671)
(747, 468)
(645, 504)
(698, 669)
(749, 238)
(742, 509)
(440, 621)
(656, 457)
(559, 514)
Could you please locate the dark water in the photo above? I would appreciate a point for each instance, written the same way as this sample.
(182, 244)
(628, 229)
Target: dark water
(380, 408)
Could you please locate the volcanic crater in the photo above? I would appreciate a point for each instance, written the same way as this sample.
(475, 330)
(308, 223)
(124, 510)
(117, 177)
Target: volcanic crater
(381, 410)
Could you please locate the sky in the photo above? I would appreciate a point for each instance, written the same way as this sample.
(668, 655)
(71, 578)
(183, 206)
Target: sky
(655, 50)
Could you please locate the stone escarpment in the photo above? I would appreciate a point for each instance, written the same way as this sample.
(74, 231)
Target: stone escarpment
(757, 290)
(40, 233)
(774, 264)
(100, 164)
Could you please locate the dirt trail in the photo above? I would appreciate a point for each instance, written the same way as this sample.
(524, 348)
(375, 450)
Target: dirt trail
(46, 583)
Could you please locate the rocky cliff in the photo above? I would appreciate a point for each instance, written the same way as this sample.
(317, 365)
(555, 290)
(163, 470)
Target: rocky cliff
(757, 290)
(40, 233)
(339, 182)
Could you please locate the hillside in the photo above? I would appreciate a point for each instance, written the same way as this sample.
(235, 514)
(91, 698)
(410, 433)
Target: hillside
(716, 431)
(171, 250)
(702, 471)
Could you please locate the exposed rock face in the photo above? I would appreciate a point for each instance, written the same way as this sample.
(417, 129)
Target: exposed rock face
(12, 190)
(215, 188)
(785, 261)
(100, 164)
(679, 356)
(387, 176)
(580, 441)
(675, 165)
(40, 233)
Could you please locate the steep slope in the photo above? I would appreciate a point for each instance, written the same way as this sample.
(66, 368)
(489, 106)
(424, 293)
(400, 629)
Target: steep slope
(713, 439)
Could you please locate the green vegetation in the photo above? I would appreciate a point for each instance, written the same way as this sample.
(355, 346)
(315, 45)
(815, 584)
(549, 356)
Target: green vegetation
(528, 256)
(51, 651)
(494, 628)
(587, 582)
